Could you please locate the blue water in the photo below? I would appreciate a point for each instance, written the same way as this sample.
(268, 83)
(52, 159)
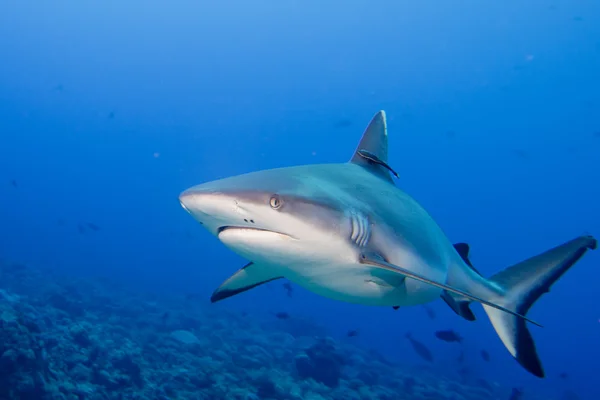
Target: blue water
(109, 110)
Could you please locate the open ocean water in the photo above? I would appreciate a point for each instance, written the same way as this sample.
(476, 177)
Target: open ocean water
(110, 110)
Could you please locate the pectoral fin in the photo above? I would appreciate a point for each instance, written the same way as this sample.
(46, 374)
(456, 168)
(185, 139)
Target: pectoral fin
(246, 278)
(375, 261)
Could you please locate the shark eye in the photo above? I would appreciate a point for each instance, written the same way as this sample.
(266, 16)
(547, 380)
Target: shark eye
(275, 202)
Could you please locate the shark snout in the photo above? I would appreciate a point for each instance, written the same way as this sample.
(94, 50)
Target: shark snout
(216, 210)
(203, 202)
(188, 199)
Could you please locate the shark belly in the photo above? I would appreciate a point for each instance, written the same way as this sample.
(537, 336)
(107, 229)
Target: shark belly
(333, 271)
(355, 283)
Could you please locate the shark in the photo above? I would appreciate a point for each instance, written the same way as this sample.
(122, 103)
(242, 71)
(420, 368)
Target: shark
(347, 232)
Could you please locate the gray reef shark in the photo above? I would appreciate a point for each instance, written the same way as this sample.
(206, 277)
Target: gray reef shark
(346, 232)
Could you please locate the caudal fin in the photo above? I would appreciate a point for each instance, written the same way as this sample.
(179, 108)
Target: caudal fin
(523, 284)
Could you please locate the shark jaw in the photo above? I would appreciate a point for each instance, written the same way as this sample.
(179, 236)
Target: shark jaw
(255, 243)
(224, 231)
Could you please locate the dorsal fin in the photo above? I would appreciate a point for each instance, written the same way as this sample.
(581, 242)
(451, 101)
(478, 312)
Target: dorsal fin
(374, 144)
(463, 251)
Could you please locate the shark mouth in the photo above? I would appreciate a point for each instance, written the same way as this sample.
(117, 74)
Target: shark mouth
(248, 228)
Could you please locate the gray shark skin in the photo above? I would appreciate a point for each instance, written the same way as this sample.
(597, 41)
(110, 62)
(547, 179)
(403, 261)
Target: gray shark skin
(346, 232)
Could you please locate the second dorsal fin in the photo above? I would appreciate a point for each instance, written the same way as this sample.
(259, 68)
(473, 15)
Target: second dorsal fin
(463, 251)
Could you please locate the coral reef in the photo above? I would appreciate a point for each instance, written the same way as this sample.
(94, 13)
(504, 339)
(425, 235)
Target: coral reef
(64, 338)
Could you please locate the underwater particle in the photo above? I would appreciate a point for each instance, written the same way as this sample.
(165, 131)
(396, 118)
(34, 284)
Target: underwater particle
(577, 19)
(352, 333)
(449, 336)
(313, 153)
(156, 154)
(529, 57)
(450, 134)
(420, 348)
(14, 183)
(111, 115)
(81, 228)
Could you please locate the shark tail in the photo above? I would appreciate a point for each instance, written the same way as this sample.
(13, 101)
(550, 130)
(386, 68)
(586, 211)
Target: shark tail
(522, 285)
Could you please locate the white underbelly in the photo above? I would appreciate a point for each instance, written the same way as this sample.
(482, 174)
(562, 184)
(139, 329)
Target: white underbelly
(356, 283)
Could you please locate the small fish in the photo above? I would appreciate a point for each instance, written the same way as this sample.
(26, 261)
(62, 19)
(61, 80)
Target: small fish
(448, 336)
(420, 348)
(485, 355)
(58, 88)
(577, 19)
(430, 312)
(92, 226)
(563, 375)
(165, 317)
(81, 228)
(516, 394)
(111, 115)
(450, 134)
(288, 288)
(282, 315)
(14, 183)
(461, 357)
(352, 333)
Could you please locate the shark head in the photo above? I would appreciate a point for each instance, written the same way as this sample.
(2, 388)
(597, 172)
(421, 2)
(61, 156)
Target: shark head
(294, 215)
(273, 216)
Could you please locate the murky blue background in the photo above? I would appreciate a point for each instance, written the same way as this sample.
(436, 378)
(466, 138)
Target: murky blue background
(109, 110)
